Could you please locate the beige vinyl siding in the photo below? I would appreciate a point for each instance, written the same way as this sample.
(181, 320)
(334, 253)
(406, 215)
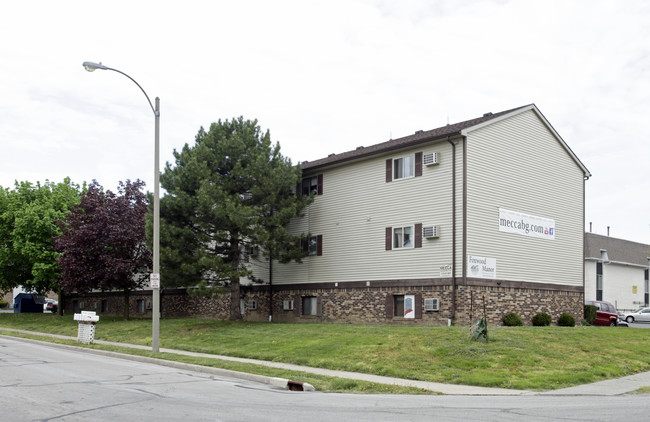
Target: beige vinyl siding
(259, 266)
(518, 164)
(354, 211)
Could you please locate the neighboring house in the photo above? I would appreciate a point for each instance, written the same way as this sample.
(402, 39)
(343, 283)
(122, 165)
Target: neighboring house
(442, 225)
(616, 271)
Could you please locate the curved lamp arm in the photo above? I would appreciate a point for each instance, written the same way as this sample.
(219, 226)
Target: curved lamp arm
(91, 67)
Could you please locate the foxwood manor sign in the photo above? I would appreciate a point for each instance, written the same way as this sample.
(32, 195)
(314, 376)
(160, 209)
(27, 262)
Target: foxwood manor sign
(481, 267)
(525, 224)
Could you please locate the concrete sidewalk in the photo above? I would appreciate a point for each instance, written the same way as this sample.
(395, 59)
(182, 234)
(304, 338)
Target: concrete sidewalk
(603, 388)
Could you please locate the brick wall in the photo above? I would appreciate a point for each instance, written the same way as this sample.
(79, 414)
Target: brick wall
(360, 304)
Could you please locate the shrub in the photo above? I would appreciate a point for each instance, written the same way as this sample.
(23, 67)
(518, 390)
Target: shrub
(590, 314)
(3, 303)
(542, 319)
(566, 320)
(512, 320)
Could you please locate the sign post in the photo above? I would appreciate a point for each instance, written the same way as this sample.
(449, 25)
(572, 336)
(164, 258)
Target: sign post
(154, 279)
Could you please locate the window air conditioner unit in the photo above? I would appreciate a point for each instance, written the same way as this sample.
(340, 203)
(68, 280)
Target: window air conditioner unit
(252, 304)
(287, 305)
(431, 304)
(148, 305)
(431, 232)
(430, 158)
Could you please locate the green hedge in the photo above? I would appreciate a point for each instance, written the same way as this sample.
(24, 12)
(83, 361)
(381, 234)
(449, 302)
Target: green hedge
(566, 320)
(512, 320)
(542, 319)
(590, 314)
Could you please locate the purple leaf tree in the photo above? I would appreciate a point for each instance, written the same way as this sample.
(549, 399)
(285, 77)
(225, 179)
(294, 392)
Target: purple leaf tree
(103, 241)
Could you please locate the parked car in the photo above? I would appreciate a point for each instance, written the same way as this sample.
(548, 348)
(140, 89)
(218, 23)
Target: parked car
(51, 305)
(642, 315)
(605, 313)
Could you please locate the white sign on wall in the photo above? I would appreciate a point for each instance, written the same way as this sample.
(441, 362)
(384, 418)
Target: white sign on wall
(526, 224)
(481, 267)
(445, 270)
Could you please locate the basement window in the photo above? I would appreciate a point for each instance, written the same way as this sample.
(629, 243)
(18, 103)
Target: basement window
(310, 306)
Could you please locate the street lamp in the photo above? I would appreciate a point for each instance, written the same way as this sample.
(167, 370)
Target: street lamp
(155, 277)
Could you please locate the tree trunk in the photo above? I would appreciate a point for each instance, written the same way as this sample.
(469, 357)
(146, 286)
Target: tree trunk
(59, 311)
(235, 297)
(126, 304)
(235, 293)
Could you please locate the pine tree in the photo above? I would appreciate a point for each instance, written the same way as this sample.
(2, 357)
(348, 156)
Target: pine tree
(231, 190)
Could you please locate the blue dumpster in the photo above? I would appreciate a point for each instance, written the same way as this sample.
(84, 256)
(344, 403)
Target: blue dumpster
(27, 302)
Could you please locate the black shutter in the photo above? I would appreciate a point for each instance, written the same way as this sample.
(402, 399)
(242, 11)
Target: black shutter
(389, 238)
(319, 306)
(320, 185)
(389, 306)
(319, 245)
(418, 164)
(418, 306)
(389, 170)
(418, 235)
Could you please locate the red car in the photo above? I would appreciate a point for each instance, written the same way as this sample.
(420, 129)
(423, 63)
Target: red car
(605, 313)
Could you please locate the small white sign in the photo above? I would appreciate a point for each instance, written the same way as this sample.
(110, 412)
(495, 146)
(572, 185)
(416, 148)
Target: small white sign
(445, 270)
(481, 267)
(154, 278)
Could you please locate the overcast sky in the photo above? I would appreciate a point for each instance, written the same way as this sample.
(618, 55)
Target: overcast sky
(324, 77)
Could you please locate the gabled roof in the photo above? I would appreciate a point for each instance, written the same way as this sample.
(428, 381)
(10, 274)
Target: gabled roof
(420, 137)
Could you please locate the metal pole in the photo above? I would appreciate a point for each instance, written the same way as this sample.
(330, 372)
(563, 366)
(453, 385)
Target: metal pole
(91, 67)
(156, 233)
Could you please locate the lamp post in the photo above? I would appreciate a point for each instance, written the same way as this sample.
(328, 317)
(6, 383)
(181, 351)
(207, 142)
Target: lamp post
(155, 277)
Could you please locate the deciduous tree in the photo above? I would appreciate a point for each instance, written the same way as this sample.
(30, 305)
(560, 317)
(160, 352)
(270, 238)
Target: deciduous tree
(28, 223)
(103, 242)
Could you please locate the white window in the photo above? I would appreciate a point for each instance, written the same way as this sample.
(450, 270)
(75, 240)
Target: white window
(403, 167)
(403, 237)
(310, 305)
(404, 306)
(313, 245)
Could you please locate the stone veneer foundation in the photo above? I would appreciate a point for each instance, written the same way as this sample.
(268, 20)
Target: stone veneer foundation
(359, 302)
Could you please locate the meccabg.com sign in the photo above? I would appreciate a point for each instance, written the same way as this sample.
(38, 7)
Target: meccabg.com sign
(526, 224)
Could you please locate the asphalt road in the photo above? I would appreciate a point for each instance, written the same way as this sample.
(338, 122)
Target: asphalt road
(43, 383)
(638, 325)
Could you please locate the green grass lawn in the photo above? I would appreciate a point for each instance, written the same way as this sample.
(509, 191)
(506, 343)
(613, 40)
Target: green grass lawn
(536, 358)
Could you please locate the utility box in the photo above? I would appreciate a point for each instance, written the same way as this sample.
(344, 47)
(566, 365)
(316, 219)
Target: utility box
(87, 321)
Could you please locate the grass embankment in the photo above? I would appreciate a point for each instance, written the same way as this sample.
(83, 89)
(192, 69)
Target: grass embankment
(536, 358)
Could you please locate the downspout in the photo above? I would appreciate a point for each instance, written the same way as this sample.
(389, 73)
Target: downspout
(584, 246)
(453, 229)
(464, 211)
(271, 287)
